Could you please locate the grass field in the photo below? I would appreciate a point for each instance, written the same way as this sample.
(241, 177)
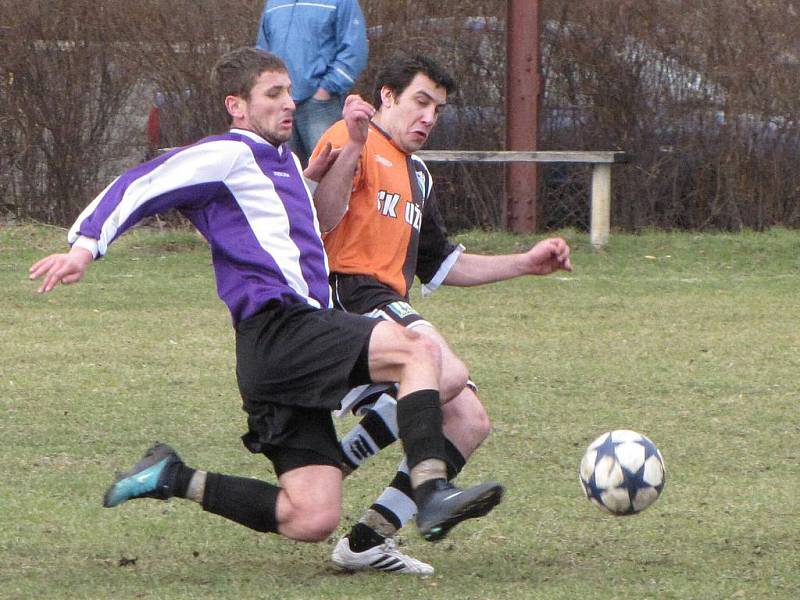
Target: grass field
(691, 339)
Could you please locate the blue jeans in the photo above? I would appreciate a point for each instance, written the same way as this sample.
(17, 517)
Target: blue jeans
(311, 119)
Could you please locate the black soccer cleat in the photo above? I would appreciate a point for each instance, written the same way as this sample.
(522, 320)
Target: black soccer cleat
(151, 477)
(448, 505)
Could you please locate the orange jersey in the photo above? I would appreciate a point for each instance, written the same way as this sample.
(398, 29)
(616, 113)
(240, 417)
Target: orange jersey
(392, 229)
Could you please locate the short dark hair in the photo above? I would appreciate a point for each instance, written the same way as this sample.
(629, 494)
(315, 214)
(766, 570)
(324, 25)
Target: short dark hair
(401, 69)
(235, 73)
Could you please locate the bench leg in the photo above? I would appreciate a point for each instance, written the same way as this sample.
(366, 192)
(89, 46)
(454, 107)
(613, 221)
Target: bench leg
(601, 205)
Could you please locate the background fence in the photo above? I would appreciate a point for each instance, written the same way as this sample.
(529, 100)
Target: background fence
(701, 94)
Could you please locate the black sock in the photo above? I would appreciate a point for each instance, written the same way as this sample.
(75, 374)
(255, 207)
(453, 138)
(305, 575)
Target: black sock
(249, 502)
(426, 488)
(455, 460)
(419, 422)
(363, 537)
(182, 477)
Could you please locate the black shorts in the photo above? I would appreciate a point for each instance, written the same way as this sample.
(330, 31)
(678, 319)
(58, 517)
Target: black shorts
(365, 295)
(293, 365)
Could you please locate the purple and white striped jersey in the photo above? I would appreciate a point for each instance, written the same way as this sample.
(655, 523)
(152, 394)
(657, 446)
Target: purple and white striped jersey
(248, 199)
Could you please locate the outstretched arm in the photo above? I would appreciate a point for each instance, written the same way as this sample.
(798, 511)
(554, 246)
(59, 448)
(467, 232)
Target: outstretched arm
(61, 268)
(545, 257)
(332, 195)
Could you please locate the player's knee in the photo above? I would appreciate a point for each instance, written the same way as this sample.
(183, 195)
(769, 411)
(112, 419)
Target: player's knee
(315, 525)
(479, 424)
(467, 414)
(454, 378)
(422, 350)
(482, 425)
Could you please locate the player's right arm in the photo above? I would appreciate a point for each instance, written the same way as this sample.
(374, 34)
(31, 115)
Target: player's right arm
(61, 268)
(185, 179)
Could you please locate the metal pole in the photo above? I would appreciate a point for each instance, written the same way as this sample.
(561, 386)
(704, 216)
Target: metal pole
(522, 112)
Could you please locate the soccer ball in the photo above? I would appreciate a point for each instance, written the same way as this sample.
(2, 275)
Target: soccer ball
(622, 472)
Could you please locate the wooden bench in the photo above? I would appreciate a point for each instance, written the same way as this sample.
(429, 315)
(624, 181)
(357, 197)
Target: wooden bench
(601, 175)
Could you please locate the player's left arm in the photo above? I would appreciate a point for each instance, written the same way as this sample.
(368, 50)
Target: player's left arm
(545, 257)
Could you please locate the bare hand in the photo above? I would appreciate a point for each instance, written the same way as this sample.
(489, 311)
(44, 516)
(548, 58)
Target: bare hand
(61, 268)
(548, 256)
(357, 114)
(319, 165)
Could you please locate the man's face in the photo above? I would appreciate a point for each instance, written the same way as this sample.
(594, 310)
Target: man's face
(269, 111)
(410, 117)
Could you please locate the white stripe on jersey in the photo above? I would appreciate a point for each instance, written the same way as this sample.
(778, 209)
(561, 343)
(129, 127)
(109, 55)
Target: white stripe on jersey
(203, 163)
(266, 213)
(310, 193)
(437, 280)
(424, 177)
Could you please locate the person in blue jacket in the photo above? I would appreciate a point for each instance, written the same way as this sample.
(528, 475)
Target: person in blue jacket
(324, 46)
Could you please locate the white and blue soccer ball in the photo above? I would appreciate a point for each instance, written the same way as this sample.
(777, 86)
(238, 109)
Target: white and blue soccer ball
(622, 472)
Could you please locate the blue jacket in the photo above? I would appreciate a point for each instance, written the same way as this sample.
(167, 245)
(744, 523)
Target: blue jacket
(322, 42)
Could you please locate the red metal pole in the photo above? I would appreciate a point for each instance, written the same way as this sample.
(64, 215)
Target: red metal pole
(522, 112)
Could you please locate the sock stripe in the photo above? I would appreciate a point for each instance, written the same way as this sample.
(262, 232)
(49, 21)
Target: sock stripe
(387, 513)
(377, 429)
(395, 506)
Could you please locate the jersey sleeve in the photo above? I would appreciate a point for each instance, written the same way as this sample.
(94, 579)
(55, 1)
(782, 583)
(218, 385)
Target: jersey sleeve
(184, 179)
(436, 254)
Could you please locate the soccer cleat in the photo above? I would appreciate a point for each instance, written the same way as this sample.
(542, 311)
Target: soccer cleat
(448, 505)
(151, 477)
(384, 557)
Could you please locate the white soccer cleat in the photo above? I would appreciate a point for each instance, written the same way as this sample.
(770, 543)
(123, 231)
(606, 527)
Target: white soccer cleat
(385, 557)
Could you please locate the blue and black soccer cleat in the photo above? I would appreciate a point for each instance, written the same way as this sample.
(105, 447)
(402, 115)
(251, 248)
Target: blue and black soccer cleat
(448, 505)
(151, 477)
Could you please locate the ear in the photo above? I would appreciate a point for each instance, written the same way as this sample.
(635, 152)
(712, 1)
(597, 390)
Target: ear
(387, 96)
(235, 105)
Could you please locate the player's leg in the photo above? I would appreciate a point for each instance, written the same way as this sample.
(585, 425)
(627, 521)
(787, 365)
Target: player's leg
(305, 507)
(466, 426)
(318, 116)
(309, 505)
(378, 428)
(413, 360)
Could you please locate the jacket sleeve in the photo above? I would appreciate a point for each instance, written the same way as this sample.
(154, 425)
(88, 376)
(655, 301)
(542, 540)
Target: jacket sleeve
(262, 37)
(351, 49)
(186, 178)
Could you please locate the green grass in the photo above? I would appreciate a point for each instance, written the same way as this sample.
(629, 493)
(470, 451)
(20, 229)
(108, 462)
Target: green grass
(692, 339)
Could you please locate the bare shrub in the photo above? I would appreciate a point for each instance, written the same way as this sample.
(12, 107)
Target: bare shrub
(701, 94)
(180, 41)
(65, 81)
